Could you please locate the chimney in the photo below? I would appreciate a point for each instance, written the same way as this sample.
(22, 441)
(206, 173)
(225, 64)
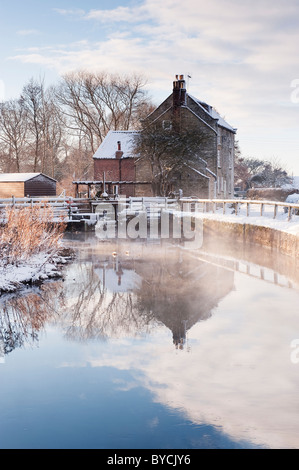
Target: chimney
(179, 91)
(119, 153)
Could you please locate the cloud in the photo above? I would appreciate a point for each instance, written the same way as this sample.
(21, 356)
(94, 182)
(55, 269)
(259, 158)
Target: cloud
(119, 14)
(64, 12)
(28, 32)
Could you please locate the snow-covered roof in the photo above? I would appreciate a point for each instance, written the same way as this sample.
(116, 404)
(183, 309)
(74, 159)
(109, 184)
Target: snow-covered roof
(213, 113)
(17, 177)
(296, 182)
(293, 198)
(109, 145)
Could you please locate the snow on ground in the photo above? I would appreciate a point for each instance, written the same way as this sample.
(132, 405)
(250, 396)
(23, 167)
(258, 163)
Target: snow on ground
(37, 268)
(281, 221)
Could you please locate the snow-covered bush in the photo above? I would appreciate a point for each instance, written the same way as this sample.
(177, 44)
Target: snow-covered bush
(27, 232)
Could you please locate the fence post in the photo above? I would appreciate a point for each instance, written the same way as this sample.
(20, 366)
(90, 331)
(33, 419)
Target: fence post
(275, 211)
(247, 209)
(289, 213)
(262, 209)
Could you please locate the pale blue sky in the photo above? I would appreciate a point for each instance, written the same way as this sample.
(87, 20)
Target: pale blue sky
(242, 56)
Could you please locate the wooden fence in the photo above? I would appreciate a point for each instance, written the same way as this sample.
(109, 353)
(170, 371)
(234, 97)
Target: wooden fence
(70, 206)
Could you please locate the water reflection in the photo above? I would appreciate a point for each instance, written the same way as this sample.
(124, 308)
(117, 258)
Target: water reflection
(23, 316)
(114, 291)
(150, 305)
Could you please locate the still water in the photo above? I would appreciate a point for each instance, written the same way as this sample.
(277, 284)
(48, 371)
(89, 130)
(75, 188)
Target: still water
(150, 345)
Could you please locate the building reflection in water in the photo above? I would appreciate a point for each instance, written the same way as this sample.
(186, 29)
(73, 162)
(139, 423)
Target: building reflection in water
(113, 291)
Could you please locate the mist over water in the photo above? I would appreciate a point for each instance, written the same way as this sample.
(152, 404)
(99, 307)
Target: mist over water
(149, 344)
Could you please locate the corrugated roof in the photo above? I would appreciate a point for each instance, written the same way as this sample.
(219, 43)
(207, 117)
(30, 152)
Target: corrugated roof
(17, 177)
(109, 145)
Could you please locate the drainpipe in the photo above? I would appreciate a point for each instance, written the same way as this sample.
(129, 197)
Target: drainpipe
(118, 155)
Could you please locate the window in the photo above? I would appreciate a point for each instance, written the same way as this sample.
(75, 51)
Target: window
(219, 140)
(230, 159)
(167, 125)
(219, 158)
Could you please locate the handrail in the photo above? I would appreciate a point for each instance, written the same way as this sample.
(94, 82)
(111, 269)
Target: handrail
(67, 202)
(288, 205)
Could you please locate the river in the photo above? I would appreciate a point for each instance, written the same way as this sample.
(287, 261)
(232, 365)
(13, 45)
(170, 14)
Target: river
(147, 344)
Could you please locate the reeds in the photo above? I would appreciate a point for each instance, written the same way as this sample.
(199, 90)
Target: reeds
(27, 232)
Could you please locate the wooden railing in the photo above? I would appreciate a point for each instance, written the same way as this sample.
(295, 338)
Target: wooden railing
(51, 201)
(211, 205)
(70, 205)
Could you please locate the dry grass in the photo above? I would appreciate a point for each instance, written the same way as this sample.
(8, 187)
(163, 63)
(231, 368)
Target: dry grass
(27, 232)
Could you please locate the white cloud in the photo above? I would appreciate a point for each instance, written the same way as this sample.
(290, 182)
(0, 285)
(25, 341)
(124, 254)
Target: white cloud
(27, 32)
(75, 12)
(119, 14)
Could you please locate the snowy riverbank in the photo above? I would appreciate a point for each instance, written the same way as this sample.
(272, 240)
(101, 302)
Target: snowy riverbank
(280, 223)
(33, 271)
(31, 248)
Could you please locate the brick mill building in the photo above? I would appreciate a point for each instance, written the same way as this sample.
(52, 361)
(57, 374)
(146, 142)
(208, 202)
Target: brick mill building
(213, 176)
(114, 161)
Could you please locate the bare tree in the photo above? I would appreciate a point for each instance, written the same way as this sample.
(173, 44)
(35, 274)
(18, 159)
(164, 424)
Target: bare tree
(34, 102)
(13, 133)
(95, 103)
(45, 128)
(55, 138)
(55, 130)
(257, 172)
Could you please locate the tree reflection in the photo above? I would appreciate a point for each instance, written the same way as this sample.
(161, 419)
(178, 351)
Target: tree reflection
(119, 295)
(23, 318)
(98, 311)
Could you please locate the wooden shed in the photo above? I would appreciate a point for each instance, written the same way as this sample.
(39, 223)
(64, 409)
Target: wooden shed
(26, 184)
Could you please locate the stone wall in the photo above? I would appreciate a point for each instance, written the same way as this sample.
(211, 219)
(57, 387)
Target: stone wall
(274, 240)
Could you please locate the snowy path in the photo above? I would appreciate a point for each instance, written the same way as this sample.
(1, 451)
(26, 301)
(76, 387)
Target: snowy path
(281, 221)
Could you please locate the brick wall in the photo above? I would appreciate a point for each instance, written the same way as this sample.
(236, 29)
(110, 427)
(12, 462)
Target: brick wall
(116, 170)
(109, 166)
(127, 169)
